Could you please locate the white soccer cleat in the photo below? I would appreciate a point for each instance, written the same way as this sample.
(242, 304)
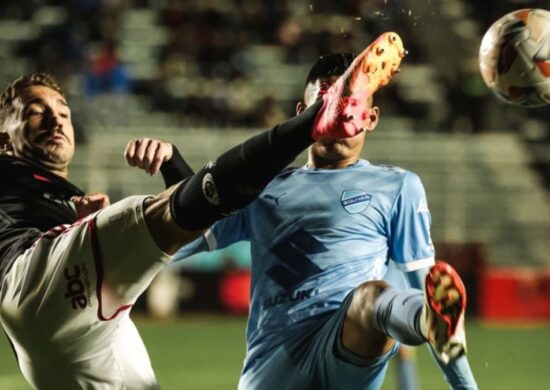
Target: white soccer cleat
(442, 318)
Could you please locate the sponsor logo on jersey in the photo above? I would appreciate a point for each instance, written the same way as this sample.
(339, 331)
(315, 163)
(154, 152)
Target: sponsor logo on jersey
(77, 288)
(209, 189)
(391, 168)
(355, 201)
(294, 265)
(274, 198)
(294, 296)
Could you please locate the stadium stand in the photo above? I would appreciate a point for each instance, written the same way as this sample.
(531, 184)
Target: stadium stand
(193, 72)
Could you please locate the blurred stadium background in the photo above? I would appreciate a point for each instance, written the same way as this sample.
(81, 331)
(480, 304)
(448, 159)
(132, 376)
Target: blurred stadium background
(204, 74)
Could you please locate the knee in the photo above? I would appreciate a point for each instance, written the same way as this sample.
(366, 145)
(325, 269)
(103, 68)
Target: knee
(369, 291)
(360, 334)
(364, 299)
(167, 234)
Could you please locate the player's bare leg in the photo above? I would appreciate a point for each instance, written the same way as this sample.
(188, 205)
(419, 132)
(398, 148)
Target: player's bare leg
(167, 234)
(359, 332)
(379, 314)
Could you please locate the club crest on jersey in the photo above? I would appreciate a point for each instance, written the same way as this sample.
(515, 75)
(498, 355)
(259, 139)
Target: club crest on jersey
(355, 201)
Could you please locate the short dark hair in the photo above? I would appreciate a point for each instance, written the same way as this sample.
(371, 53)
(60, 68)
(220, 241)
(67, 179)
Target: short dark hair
(16, 88)
(333, 64)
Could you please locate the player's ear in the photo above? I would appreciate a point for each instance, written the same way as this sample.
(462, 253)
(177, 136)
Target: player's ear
(300, 107)
(372, 121)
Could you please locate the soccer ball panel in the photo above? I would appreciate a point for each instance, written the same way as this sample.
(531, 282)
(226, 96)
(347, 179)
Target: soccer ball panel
(514, 57)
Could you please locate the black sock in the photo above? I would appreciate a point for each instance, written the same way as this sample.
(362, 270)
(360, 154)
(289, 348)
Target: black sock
(236, 177)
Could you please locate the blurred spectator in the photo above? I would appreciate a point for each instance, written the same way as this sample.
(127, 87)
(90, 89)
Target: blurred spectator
(106, 73)
(208, 69)
(270, 113)
(289, 36)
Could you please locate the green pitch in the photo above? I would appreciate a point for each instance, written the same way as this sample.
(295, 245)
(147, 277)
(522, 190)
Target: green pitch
(206, 354)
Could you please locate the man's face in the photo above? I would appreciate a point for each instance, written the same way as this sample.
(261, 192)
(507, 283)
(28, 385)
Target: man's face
(331, 150)
(44, 132)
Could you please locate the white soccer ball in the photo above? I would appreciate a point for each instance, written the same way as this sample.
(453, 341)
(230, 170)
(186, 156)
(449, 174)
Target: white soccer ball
(514, 57)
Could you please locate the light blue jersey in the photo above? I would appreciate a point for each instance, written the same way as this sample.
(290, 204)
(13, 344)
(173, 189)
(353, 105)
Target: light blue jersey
(316, 235)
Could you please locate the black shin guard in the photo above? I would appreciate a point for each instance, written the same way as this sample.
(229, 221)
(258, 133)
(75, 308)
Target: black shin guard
(236, 177)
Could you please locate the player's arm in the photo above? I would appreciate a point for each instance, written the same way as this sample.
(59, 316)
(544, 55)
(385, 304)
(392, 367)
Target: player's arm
(412, 249)
(222, 234)
(154, 156)
(457, 373)
(415, 279)
(410, 242)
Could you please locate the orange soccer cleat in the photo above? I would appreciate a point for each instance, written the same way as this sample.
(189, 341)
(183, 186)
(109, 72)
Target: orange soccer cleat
(442, 319)
(346, 104)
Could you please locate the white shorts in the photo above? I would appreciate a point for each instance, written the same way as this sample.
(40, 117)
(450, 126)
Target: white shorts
(65, 302)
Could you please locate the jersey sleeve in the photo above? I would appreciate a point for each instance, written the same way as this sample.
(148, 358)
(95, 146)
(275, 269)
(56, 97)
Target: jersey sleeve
(410, 243)
(220, 235)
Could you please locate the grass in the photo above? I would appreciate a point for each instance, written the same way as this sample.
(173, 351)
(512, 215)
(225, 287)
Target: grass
(203, 353)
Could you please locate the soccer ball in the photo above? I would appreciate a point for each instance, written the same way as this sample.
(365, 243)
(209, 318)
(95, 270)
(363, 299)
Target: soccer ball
(514, 57)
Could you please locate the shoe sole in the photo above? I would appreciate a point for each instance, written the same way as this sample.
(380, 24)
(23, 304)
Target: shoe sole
(375, 66)
(347, 100)
(369, 71)
(446, 298)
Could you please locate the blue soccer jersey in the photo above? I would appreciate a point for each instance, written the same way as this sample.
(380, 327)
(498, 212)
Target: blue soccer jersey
(315, 235)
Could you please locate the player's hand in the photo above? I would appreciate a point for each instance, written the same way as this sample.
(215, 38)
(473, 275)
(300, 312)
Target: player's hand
(148, 154)
(90, 203)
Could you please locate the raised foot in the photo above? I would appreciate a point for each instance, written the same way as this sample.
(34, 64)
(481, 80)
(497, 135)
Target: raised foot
(346, 106)
(442, 320)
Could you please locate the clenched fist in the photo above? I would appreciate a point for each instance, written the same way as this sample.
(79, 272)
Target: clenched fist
(148, 154)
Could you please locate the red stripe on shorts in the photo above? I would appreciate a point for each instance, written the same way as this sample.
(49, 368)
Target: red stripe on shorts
(98, 261)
